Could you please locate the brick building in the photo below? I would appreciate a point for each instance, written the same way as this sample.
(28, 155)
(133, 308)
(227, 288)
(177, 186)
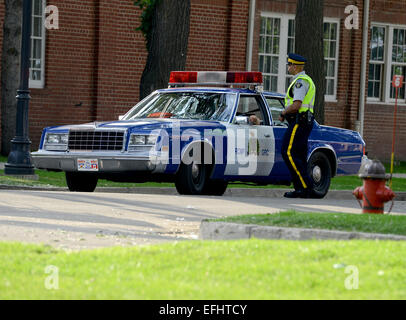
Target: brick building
(89, 69)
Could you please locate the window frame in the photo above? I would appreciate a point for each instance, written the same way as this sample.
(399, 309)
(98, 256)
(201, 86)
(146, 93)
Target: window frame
(275, 121)
(283, 48)
(333, 97)
(283, 45)
(383, 63)
(387, 65)
(261, 104)
(391, 64)
(38, 84)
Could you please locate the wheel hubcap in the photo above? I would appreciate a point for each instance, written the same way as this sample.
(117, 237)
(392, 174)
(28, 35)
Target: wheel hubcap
(195, 171)
(316, 174)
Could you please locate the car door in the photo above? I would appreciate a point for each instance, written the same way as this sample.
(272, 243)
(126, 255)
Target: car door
(275, 106)
(253, 143)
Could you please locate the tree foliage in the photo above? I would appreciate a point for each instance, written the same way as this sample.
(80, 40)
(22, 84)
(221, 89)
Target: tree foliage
(147, 12)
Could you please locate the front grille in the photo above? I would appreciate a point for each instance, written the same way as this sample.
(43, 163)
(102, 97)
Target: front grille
(96, 140)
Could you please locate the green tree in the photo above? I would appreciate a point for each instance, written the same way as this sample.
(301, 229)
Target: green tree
(165, 24)
(309, 43)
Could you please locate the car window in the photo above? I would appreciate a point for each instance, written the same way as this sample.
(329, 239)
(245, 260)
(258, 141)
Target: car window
(276, 106)
(185, 105)
(250, 107)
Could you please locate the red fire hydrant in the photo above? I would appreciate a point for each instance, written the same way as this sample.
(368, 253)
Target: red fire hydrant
(374, 193)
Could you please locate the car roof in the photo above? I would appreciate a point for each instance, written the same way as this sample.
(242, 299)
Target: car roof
(221, 90)
(274, 94)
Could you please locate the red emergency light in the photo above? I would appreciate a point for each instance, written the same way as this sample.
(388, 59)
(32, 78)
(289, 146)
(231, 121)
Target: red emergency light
(183, 77)
(244, 77)
(215, 78)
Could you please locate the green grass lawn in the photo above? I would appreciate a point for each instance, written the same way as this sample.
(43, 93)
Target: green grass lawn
(244, 269)
(398, 167)
(375, 223)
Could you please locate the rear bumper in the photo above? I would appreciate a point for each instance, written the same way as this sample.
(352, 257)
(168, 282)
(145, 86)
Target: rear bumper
(111, 162)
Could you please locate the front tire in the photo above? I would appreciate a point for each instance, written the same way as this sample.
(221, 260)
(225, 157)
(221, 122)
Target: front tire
(194, 178)
(319, 170)
(191, 179)
(81, 182)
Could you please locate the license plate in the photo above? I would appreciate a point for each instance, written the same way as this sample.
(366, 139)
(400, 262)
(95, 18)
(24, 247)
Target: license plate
(88, 165)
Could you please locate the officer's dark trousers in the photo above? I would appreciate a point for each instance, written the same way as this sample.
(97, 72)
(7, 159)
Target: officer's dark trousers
(294, 153)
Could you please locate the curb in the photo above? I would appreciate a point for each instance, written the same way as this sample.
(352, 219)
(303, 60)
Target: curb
(31, 188)
(235, 231)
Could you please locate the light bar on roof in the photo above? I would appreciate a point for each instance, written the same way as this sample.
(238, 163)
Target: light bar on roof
(215, 78)
(183, 77)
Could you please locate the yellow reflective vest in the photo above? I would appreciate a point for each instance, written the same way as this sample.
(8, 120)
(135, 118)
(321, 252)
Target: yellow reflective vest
(308, 101)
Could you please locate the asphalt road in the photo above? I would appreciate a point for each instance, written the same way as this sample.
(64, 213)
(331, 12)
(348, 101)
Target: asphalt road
(91, 220)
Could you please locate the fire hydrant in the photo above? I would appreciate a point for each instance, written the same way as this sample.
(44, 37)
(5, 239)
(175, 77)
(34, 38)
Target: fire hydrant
(374, 193)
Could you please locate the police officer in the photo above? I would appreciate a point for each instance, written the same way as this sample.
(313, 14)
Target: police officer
(299, 102)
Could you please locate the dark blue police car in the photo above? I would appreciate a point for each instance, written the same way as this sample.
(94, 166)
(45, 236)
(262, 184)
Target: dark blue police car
(206, 130)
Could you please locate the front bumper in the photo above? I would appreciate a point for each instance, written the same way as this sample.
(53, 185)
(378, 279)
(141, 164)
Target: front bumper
(107, 162)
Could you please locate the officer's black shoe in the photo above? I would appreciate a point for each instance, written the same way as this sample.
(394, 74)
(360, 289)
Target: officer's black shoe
(293, 194)
(305, 194)
(302, 193)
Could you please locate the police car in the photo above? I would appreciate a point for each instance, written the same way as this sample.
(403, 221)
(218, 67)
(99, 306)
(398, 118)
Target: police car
(205, 130)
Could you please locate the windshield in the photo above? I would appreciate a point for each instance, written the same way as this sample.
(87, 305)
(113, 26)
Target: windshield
(185, 105)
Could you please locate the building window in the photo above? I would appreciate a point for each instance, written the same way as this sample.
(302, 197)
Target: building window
(277, 39)
(398, 60)
(269, 51)
(387, 58)
(330, 41)
(376, 62)
(291, 48)
(37, 67)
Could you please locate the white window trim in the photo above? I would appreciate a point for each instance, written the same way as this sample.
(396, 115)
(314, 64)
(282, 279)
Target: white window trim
(387, 64)
(333, 98)
(382, 80)
(385, 61)
(39, 84)
(391, 63)
(283, 47)
(401, 103)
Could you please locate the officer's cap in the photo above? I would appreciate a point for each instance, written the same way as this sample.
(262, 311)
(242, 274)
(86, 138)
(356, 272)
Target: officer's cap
(294, 58)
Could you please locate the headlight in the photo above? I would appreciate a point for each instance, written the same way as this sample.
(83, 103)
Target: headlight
(137, 140)
(141, 140)
(142, 143)
(56, 141)
(53, 138)
(64, 138)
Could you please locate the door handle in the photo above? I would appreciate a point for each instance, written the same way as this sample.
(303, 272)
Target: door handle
(267, 136)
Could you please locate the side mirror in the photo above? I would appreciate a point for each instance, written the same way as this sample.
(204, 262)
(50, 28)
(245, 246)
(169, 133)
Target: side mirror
(120, 117)
(241, 120)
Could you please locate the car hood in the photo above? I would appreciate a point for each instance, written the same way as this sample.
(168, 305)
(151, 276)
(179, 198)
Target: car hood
(142, 124)
(336, 134)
